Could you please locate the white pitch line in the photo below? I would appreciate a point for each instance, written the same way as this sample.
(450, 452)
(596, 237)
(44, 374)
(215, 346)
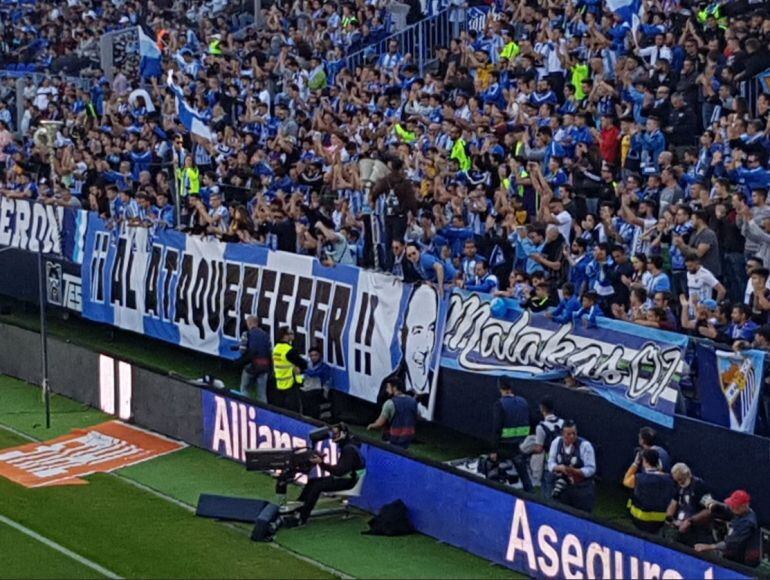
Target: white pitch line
(58, 547)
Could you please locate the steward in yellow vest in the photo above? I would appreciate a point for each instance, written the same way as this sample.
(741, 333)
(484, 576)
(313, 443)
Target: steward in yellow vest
(288, 366)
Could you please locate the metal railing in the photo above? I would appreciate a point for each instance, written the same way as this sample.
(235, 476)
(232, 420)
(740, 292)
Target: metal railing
(419, 40)
(752, 88)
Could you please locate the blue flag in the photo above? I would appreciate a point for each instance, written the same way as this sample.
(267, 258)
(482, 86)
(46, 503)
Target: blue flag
(192, 120)
(150, 56)
(730, 386)
(628, 10)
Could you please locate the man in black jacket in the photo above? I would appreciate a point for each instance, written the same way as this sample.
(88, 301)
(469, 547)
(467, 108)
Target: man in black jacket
(344, 474)
(682, 127)
(758, 60)
(257, 356)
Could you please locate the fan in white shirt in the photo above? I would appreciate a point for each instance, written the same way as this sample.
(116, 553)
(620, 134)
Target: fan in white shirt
(701, 283)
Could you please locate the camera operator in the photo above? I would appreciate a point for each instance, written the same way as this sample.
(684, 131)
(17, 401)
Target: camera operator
(687, 512)
(742, 543)
(255, 352)
(571, 469)
(288, 366)
(653, 492)
(510, 416)
(343, 475)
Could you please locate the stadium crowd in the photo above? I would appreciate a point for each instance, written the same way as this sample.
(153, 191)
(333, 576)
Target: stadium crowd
(561, 147)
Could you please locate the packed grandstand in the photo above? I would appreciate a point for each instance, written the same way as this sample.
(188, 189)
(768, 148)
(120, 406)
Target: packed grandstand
(505, 190)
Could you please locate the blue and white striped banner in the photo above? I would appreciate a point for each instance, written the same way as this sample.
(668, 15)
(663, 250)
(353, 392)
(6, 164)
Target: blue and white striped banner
(196, 292)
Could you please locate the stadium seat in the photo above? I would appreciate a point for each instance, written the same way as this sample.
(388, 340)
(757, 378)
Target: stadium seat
(344, 497)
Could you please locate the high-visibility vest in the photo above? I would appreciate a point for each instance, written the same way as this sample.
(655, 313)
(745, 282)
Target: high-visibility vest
(188, 181)
(579, 74)
(510, 51)
(214, 46)
(458, 153)
(285, 375)
(404, 135)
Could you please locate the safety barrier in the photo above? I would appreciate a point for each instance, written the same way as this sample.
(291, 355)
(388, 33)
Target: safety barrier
(418, 40)
(497, 523)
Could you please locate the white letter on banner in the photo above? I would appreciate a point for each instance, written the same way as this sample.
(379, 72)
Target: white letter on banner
(572, 555)
(634, 571)
(265, 437)
(221, 428)
(235, 430)
(38, 229)
(651, 571)
(6, 211)
(56, 219)
(282, 440)
(619, 561)
(521, 536)
(671, 575)
(20, 233)
(549, 561)
(594, 551)
(252, 428)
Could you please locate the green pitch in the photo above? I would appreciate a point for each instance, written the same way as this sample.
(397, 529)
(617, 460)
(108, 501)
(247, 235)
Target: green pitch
(138, 522)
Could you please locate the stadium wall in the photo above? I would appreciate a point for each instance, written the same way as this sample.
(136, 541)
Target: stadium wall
(712, 452)
(492, 521)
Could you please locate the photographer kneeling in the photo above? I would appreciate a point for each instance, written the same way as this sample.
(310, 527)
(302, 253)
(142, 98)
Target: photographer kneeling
(344, 474)
(571, 469)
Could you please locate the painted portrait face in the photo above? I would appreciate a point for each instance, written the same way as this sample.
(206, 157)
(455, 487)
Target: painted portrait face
(420, 337)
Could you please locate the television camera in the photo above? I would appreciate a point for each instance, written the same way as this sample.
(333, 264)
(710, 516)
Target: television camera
(286, 464)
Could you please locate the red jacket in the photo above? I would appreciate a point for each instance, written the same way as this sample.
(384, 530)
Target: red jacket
(609, 144)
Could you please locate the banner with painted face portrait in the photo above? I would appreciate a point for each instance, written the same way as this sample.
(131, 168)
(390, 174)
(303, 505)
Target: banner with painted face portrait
(635, 367)
(197, 292)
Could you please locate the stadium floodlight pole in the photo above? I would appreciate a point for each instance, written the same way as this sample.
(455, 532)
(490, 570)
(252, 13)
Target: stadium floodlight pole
(43, 332)
(43, 335)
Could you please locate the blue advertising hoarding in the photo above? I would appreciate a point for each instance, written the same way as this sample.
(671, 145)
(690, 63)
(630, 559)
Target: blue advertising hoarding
(523, 535)
(529, 537)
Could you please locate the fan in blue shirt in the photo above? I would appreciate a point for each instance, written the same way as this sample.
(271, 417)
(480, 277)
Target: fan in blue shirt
(567, 307)
(742, 327)
(579, 260)
(530, 241)
(589, 310)
(483, 281)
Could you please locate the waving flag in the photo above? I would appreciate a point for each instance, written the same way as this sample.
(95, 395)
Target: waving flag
(192, 120)
(150, 55)
(628, 10)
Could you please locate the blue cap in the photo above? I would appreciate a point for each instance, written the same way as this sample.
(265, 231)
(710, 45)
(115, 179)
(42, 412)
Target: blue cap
(710, 304)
